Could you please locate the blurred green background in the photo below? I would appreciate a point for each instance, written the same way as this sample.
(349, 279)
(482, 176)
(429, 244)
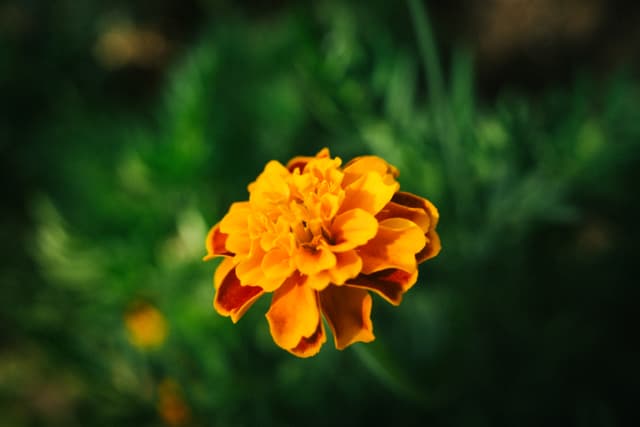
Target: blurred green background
(127, 128)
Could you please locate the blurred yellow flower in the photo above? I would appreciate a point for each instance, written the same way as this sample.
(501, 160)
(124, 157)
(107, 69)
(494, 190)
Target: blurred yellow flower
(146, 326)
(171, 406)
(320, 237)
(124, 45)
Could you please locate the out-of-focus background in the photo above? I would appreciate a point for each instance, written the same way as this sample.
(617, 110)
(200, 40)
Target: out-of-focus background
(127, 128)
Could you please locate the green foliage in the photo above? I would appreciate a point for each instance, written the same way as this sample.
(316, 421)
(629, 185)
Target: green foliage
(499, 329)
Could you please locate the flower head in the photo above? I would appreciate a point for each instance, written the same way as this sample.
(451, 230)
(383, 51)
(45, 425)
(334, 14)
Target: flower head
(146, 326)
(171, 405)
(320, 236)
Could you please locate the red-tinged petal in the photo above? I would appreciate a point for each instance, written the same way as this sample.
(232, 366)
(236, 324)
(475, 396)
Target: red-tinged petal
(215, 243)
(431, 249)
(310, 346)
(348, 265)
(222, 271)
(233, 299)
(389, 284)
(395, 246)
(311, 260)
(294, 313)
(369, 192)
(347, 311)
(411, 201)
(396, 210)
(352, 229)
(364, 164)
(300, 162)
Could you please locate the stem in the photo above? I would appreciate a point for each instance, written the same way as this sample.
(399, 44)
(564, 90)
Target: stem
(428, 52)
(445, 124)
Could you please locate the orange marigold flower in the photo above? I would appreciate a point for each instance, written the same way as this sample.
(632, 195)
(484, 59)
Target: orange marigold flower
(171, 406)
(320, 237)
(146, 326)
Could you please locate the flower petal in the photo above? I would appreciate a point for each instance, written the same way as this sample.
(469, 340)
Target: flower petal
(271, 187)
(395, 246)
(294, 313)
(431, 249)
(236, 218)
(347, 311)
(352, 229)
(300, 162)
(310, 346)
(275, 267)
(276, 263)
(215, 243)
(348, 265)
(232, 298)
(249, 268)
(222, 271)
(318, 281)
(411, 201)
(369, 192)
(361, 165)
(311, 260)
(235, 225)
(389, 284)
(396, 210)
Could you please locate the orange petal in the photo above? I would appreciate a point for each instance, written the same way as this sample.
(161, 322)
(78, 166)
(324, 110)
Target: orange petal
(300, 162)
(329, 204)
(232, 298)
(294, 313)
(235, 225)
(222, 271)
(215, 243)
(276, 266)
(238, 242)
(348, 265)
(353, 228)
(369, 192)
(310, 346)
(236, 218)
(359, 166)
(325, 169)
(395, 246)
(277, 263)
(347, 311)
(389, 284)
(431, 249)
(411, 201)
(249, 269)
(318, 281)
(271, 186)
(396, 210)
(313, 260)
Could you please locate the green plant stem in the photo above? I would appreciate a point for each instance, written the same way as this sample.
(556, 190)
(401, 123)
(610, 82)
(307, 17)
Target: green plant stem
(447, 132)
